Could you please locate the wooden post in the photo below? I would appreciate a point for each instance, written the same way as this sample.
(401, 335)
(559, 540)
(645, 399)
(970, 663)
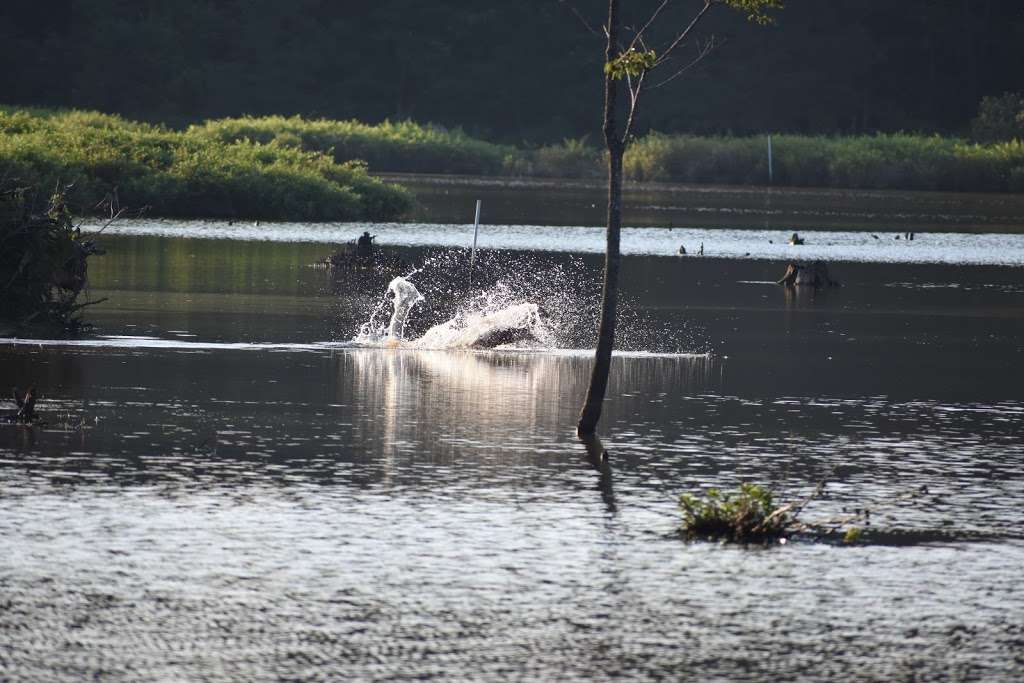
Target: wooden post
(771, 171)
(476, 232)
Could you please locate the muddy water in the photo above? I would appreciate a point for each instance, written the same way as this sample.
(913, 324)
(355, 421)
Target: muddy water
(228, 489)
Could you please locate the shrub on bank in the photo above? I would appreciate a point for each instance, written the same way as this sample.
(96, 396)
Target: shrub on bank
(279, 167)
(178, 174)
(572, 158)
(402, 146)
(692, 159)
(897, 161)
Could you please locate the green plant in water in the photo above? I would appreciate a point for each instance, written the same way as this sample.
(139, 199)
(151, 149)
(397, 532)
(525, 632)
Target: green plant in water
(745, 516)
(853, 534)
(43, 262)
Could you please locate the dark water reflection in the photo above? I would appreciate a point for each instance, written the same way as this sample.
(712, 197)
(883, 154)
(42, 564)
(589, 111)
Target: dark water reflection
(450, 199)
(213, 513)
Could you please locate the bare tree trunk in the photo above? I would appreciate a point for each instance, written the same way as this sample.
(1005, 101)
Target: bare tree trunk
(591, 412)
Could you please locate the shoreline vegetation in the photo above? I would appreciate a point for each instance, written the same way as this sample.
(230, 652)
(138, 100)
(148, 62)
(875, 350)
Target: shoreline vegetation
(44, 261)
(278, 168)
(103, 160)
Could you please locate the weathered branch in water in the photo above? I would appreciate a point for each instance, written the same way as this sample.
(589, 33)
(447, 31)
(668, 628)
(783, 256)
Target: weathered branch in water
(26, 413)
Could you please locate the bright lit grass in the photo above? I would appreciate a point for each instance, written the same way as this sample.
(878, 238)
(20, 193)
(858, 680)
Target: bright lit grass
(389, 146)
(184, 174)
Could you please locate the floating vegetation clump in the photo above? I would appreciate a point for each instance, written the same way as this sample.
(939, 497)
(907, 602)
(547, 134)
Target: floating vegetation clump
(748, 515)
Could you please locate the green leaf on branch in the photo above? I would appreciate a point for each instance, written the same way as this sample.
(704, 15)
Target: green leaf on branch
(631, 63)
(757, 10)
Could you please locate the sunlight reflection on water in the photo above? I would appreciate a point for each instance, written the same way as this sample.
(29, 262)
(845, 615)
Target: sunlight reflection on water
(945, 247)
(207, 508)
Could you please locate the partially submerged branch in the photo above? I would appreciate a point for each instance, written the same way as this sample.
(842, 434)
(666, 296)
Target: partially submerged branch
(750, 515)
(46, 256)
(26, 413)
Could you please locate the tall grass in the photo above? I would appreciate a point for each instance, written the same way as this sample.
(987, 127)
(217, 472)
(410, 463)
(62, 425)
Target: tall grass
(884, 161)
(573, 158)
(389, 146)
(184, 174)
(289, 167)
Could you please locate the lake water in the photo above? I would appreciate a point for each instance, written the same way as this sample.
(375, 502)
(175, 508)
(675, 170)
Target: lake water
(229, 488)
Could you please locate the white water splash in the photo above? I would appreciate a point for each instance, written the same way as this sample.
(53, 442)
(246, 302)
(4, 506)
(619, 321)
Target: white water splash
(405, 297)
(490, 321)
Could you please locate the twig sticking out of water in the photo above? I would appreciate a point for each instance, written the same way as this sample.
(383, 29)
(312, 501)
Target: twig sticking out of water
(26, 413)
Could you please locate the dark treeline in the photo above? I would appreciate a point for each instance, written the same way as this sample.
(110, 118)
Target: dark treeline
(523, 71)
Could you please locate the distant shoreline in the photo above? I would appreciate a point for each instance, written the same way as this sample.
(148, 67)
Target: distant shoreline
(281, 168)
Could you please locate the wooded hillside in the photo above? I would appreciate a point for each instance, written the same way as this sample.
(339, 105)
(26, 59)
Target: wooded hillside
(524, 71)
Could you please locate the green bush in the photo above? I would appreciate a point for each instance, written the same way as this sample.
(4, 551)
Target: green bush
(999, 118)
(186, 175)
(573, 158)
(883, 161)
(692, 159)
(291, 168)
(402, 146)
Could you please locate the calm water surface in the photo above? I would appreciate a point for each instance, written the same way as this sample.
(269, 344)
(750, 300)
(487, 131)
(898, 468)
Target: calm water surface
(228, 489)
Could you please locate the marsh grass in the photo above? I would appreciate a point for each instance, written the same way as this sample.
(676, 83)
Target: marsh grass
(572, 158)
(883, 161)
(403, 146)
(179, 174)
(278, 167)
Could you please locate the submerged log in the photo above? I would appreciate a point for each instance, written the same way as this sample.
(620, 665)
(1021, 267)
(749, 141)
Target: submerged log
(814, 275)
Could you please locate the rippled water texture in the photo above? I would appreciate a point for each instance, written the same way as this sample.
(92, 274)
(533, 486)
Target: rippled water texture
(228, 489)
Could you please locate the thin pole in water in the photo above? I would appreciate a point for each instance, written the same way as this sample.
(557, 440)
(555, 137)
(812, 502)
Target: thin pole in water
(771, 171)
(476, 232)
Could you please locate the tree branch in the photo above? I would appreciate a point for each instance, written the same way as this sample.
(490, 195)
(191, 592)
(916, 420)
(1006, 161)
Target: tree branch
(586, 24)
(702, 52)
(686, 32)
(634, 97)
(639, 35)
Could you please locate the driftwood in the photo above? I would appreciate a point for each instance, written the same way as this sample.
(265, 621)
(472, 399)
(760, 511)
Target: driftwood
(802, 275)
(26, 413)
